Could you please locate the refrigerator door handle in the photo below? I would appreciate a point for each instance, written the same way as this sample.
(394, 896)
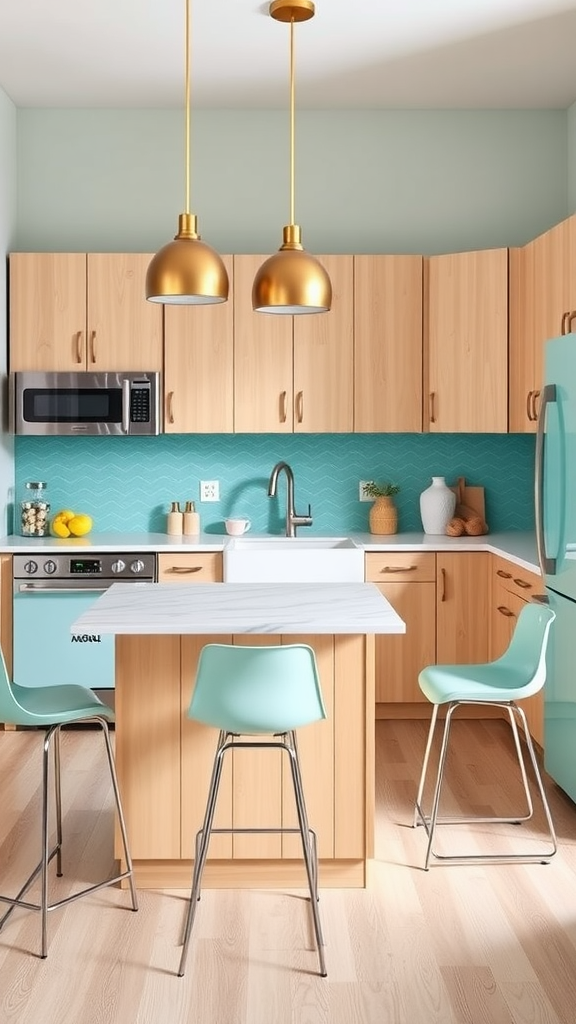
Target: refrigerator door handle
(547, 563)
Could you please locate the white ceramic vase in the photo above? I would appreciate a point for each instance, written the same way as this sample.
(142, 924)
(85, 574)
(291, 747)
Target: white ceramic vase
(437, 504)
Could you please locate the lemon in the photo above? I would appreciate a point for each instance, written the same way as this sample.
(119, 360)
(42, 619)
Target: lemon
(65, 515)
(79, 525)
(59, 528)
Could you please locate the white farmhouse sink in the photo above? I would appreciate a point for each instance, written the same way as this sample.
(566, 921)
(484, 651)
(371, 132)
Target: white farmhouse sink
(293, 560)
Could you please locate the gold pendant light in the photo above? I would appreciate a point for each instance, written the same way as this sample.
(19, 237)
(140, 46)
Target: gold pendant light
(186, 271)
(292, 281)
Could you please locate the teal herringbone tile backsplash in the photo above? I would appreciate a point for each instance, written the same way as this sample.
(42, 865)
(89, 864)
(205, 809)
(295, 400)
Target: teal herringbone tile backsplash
(128, 483)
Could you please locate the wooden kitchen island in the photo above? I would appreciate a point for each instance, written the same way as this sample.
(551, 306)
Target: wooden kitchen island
(164, 759)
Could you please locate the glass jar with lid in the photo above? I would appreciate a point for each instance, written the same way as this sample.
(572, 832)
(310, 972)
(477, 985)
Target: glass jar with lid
(34, 509)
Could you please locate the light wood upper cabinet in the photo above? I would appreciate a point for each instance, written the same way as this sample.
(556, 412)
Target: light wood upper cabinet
(466, 342)
(293, 374)
(198, 366)
(263, 375)
(324, 358)
(74, 312)
(543, 305)
(387, 344)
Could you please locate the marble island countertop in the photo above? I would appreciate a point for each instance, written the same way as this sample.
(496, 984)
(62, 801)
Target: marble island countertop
(224, 608)
(518, 546)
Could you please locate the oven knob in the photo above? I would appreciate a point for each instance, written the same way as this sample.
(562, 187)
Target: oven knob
(137, 565)
(30, 567)
(50, 567)
(118, 566)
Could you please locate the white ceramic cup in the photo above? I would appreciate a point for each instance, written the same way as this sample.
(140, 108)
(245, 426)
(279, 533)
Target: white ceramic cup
(236, 527)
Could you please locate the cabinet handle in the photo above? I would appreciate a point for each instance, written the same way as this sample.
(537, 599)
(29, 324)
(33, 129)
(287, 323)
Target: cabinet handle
(283, 407)
(80, 347)
(523, 584)
(506, 611)
(300, 407)
(93, 346)
(183, 570)
(569, 319)
(563, 324)
(170, 407)
(399, 568)
(503, 574)
(535, 397)
(432, 407)
(443, 593)
(529, 405)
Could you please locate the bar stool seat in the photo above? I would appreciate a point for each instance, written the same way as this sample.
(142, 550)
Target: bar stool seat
(48, 708)
(519, 673)
(251, 691)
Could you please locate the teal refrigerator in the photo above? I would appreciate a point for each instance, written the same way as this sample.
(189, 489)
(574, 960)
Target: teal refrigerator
(555, 507)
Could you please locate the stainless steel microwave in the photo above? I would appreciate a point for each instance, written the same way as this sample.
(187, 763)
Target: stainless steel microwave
(126, 404)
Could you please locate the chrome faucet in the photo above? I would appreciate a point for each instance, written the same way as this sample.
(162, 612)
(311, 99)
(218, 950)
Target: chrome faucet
(292, 519)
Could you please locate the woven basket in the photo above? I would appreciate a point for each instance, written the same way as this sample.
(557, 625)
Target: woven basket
(383, 516)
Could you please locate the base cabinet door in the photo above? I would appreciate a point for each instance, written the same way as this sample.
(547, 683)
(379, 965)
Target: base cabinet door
(462, 605)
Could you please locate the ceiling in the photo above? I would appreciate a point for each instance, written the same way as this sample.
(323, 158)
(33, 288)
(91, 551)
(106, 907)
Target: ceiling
(353, 54)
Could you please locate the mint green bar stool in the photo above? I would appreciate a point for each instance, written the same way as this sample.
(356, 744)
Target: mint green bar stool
(50, 707)
(248, 691)
(519, 673)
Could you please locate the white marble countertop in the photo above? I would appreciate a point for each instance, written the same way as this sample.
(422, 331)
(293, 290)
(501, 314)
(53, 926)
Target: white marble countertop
(519, 547)
(224, 608)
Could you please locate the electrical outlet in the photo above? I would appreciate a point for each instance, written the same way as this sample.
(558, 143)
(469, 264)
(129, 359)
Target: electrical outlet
(209, 490)
(361, 495)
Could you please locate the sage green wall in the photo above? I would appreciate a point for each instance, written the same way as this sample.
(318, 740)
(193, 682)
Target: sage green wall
(571, 119)
(372, 181)
(7, 236)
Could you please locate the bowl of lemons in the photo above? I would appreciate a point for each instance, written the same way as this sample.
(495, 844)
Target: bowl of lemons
(67, 523)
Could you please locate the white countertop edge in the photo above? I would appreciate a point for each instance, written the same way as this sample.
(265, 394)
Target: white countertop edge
(517, 546)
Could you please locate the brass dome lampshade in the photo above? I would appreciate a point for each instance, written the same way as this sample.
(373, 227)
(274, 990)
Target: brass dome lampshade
(292, 281)
(187, 271)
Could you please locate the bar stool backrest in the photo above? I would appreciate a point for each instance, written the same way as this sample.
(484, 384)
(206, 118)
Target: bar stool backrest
(523, 664)
(252, 690)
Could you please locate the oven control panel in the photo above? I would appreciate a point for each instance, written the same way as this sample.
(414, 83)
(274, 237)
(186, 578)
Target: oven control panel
(112, 566)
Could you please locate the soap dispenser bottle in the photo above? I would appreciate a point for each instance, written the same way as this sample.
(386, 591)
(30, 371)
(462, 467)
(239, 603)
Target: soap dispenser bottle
(191, 520)
(175, 520)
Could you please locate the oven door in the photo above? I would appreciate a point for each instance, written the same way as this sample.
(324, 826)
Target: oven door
(45, 651)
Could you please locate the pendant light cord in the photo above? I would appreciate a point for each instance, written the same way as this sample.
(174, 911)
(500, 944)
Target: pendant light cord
(292, 120)
(187, 106)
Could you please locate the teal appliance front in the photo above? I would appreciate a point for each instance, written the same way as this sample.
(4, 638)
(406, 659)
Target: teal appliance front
(556, 533)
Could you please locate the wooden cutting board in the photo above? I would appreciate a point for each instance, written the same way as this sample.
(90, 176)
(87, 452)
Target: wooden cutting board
(471, 496)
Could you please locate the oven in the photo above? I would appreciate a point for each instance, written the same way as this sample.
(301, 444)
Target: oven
(50, 591)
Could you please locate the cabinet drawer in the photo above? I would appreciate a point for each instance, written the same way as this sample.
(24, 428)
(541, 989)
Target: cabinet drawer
(400, 567)
(516, 580)
(190, 567)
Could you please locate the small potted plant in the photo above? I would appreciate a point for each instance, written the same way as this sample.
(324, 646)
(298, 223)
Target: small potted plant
(383, 514)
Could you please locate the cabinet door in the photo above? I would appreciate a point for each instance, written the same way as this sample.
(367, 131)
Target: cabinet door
(525, 357)
(47, 311)
(387, 344)
(399, 659)
(466, 348)
(462, 607)
(198, 366)
(323, 358)
(263, 374)
(124, 329)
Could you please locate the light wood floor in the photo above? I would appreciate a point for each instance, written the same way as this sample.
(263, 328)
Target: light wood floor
(455, 945)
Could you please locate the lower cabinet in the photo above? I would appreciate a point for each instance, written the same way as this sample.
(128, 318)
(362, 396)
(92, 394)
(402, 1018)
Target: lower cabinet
(443, 598)
(511, 588)
(408, 582)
